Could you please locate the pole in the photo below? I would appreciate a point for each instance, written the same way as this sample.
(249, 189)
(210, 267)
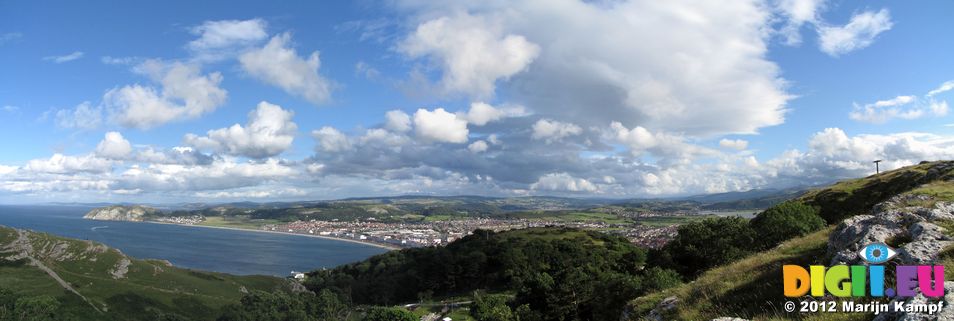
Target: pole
(877, 167)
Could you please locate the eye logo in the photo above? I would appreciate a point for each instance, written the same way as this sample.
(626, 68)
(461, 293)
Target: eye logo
(877, 253)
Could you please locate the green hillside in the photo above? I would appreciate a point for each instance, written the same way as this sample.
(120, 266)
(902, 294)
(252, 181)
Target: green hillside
(751, 287)
(90, 281)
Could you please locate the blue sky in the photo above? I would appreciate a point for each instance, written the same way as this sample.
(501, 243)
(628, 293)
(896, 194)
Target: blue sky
(168, 102)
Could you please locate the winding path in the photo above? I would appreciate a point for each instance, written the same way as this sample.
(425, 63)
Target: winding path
(23, 245)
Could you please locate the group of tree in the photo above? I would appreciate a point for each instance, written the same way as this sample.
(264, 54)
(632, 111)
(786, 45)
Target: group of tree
(14, 307)
(708, 243)
(554, 273)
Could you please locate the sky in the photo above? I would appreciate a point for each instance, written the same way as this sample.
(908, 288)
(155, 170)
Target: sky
(218, 101)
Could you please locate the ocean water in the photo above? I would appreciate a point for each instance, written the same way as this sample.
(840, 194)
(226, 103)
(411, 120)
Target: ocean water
(229, 251)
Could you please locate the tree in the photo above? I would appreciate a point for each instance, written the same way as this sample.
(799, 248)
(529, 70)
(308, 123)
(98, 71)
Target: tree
(38, 308)
(705, 244)
(656, 279)
(389, 314)
(786, 221)
(491, 308)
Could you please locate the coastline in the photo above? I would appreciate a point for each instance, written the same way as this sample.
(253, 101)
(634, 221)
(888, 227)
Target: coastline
(374, 244)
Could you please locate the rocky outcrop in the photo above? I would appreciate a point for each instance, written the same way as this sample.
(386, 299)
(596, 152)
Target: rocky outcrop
(913, 228)
(660, 311)
(919, 238)
(133, 213)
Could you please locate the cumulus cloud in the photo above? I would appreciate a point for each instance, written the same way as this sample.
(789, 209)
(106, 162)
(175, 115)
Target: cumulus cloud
(903, 107)
(278, 64)
(440, 126)
(563, 182)
(83, 116)
(472, 52)
(551, 130)
(65, 58)
(114, 146)
(858, 33)
(477, 147)
(184, 94)
(221, 39)
(330, 140)
(737, 144)
(397, 121)
(63, 164)
(675, 81)
(269, 132)
(481, 113)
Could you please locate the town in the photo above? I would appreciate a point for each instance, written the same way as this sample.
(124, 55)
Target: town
(441, 232)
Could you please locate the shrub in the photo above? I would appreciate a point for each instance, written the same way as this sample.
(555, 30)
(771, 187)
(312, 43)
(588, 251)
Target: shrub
(786, 221)
(708, 243)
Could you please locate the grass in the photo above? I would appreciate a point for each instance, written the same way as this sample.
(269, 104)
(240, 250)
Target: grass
(857, 196)
(571, 216)
(663, 221)
(149, 285)
(749, 288)
(236, 222)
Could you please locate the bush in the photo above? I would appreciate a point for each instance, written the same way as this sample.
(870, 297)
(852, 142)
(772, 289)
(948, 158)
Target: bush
(657, 279)
(389, 314)
(705, 244)
(786, 221)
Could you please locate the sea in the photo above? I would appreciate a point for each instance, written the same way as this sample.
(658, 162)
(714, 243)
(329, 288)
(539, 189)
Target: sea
(210, 249)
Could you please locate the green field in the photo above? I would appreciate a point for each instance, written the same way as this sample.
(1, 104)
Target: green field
(236, 222)
(663, 221)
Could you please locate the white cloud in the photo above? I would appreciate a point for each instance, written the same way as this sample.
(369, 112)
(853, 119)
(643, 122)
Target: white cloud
(114, 146)
(481, 113)
(269, 132)
(737, 144)
(397, 121)
(83, 116)
(600, 62)
(185, 94)
(946, 86)
(903, 107)
(798, 13)
(62, 164)
(278, 64)
(668, 148)
(477, 147)
(472, 53)
(220, 39)
(10, 108)
(65, 58)
(552, 130)
(859, 33)
(253, 193)
(440, 125)
(563, 182)
(330, 140)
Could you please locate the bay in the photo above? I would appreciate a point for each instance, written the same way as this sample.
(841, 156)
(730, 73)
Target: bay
(209, 249)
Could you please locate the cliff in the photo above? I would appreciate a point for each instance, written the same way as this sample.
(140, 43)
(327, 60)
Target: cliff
(120, 213)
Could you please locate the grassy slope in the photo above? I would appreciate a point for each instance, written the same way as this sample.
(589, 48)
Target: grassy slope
(149, 285)
(752, 287)
(856, 196)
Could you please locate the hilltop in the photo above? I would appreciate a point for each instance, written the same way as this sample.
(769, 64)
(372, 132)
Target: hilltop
(133, 213)
(83, 280)
(911, 209)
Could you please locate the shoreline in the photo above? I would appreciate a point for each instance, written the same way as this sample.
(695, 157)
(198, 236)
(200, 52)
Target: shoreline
(374, 244)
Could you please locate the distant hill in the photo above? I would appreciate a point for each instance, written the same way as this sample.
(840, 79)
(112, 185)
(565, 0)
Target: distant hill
(90, 281)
